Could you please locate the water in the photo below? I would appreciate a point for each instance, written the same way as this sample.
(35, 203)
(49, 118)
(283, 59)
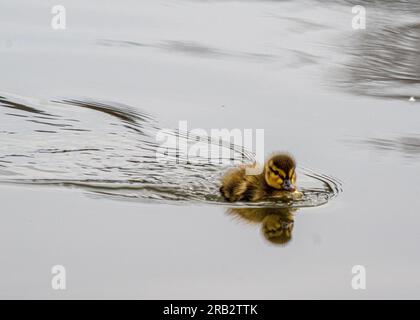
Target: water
(80, 185)
(63, 143)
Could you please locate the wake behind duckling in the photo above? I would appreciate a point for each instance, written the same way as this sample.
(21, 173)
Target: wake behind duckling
(109, 149)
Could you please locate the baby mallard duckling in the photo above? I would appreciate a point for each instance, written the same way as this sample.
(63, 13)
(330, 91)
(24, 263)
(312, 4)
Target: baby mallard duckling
(278, 179)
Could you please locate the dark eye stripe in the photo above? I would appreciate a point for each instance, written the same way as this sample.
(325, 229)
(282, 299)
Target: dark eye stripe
(281, 173)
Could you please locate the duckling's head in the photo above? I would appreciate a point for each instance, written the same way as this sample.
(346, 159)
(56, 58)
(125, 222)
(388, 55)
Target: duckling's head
(279, 172)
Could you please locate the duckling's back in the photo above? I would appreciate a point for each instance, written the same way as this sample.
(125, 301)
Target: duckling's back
(238, 186)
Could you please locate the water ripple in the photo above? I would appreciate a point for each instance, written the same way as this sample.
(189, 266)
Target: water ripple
(109, 150)
(384, 62)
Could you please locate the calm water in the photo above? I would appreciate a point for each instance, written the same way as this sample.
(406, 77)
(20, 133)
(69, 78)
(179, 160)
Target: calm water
(80, 185)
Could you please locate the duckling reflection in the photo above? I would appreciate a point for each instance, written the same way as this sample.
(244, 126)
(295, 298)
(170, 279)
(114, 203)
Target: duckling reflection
(276, 223)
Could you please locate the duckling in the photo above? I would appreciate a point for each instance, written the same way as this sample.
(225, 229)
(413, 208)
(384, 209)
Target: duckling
(277, 180)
